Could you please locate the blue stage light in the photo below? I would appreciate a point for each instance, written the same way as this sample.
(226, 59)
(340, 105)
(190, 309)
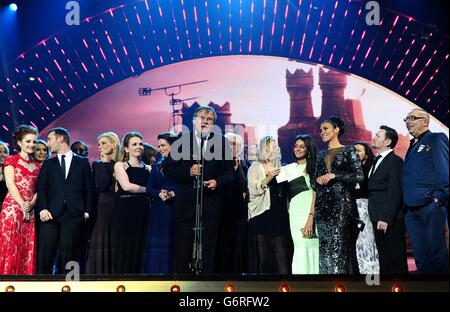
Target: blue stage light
(13, 7)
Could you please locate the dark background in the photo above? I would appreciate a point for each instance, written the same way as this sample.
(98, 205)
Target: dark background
(38, 19)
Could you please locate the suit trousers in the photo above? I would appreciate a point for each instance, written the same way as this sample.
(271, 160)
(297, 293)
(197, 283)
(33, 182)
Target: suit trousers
(392, 248)
(65, 233)
(184, 236)
(426, 229)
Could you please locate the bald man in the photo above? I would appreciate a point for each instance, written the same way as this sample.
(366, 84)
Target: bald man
(425, 188)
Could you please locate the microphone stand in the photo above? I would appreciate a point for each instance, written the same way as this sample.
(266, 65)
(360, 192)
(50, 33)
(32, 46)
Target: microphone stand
(196, 264)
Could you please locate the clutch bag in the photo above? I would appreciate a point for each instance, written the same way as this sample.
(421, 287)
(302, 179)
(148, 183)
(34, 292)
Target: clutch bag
(310, 236)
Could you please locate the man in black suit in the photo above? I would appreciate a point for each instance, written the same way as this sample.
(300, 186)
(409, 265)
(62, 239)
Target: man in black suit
(65, 199)
(386, 203)
(184, 165)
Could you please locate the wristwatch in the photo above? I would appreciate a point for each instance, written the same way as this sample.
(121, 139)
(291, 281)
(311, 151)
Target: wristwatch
(438, 202)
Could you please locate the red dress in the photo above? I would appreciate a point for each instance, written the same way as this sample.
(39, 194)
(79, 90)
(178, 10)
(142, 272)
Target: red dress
(17, 237)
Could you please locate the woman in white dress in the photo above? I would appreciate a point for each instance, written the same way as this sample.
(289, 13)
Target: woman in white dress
(301, 208)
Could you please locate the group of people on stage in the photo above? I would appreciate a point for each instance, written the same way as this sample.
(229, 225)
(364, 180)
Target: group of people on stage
(138, 209)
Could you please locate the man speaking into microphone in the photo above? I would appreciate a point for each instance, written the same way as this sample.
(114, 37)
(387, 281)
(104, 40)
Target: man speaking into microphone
(201, 164)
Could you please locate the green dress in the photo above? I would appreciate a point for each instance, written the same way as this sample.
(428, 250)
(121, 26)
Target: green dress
(306, 250)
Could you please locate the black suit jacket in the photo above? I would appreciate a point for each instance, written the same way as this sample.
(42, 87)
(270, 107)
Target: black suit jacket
(385, 190)
(76, 192)
(219, 168)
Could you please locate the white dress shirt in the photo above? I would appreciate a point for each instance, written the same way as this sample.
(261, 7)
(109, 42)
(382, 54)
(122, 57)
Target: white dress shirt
(197, 136)
(68, 161)
(383, 155)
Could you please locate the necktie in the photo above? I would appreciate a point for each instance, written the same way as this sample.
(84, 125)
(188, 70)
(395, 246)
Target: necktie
(202, 147)
(202, 142)
(63, 165)
(372, 169)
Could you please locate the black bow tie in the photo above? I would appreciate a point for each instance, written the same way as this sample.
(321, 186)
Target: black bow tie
(372, 168)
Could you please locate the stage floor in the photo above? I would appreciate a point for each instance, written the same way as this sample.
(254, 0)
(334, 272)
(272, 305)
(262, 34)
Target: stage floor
(224, 284)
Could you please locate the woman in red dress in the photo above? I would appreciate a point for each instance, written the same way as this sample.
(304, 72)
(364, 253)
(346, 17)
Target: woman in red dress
(17, 232)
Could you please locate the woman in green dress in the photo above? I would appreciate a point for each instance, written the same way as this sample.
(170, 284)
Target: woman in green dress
(301, 208)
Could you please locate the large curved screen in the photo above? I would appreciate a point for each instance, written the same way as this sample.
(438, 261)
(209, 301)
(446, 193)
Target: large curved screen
(256, 95)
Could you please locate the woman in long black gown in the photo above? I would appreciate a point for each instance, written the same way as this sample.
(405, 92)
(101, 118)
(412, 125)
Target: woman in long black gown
(99, 257)
(131, 209)
(338, 171)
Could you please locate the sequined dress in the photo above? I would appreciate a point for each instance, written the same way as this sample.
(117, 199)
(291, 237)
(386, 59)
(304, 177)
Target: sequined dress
(336, 210)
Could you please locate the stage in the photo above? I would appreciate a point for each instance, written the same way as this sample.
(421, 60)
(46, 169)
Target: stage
(267, 284)
(268, 68)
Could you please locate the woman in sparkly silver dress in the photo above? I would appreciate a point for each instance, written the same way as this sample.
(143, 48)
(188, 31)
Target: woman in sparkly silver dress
(338, 171)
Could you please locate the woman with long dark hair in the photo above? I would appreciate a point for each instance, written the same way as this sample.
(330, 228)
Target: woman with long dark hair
(338, 171)
(302, 197)
(366, 248)
(157, 258)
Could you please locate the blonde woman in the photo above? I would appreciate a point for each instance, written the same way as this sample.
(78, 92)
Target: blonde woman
(270, 244)
(99, 257)
(41, 151)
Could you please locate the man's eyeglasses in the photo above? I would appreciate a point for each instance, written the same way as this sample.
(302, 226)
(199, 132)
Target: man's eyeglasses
(412, 118)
